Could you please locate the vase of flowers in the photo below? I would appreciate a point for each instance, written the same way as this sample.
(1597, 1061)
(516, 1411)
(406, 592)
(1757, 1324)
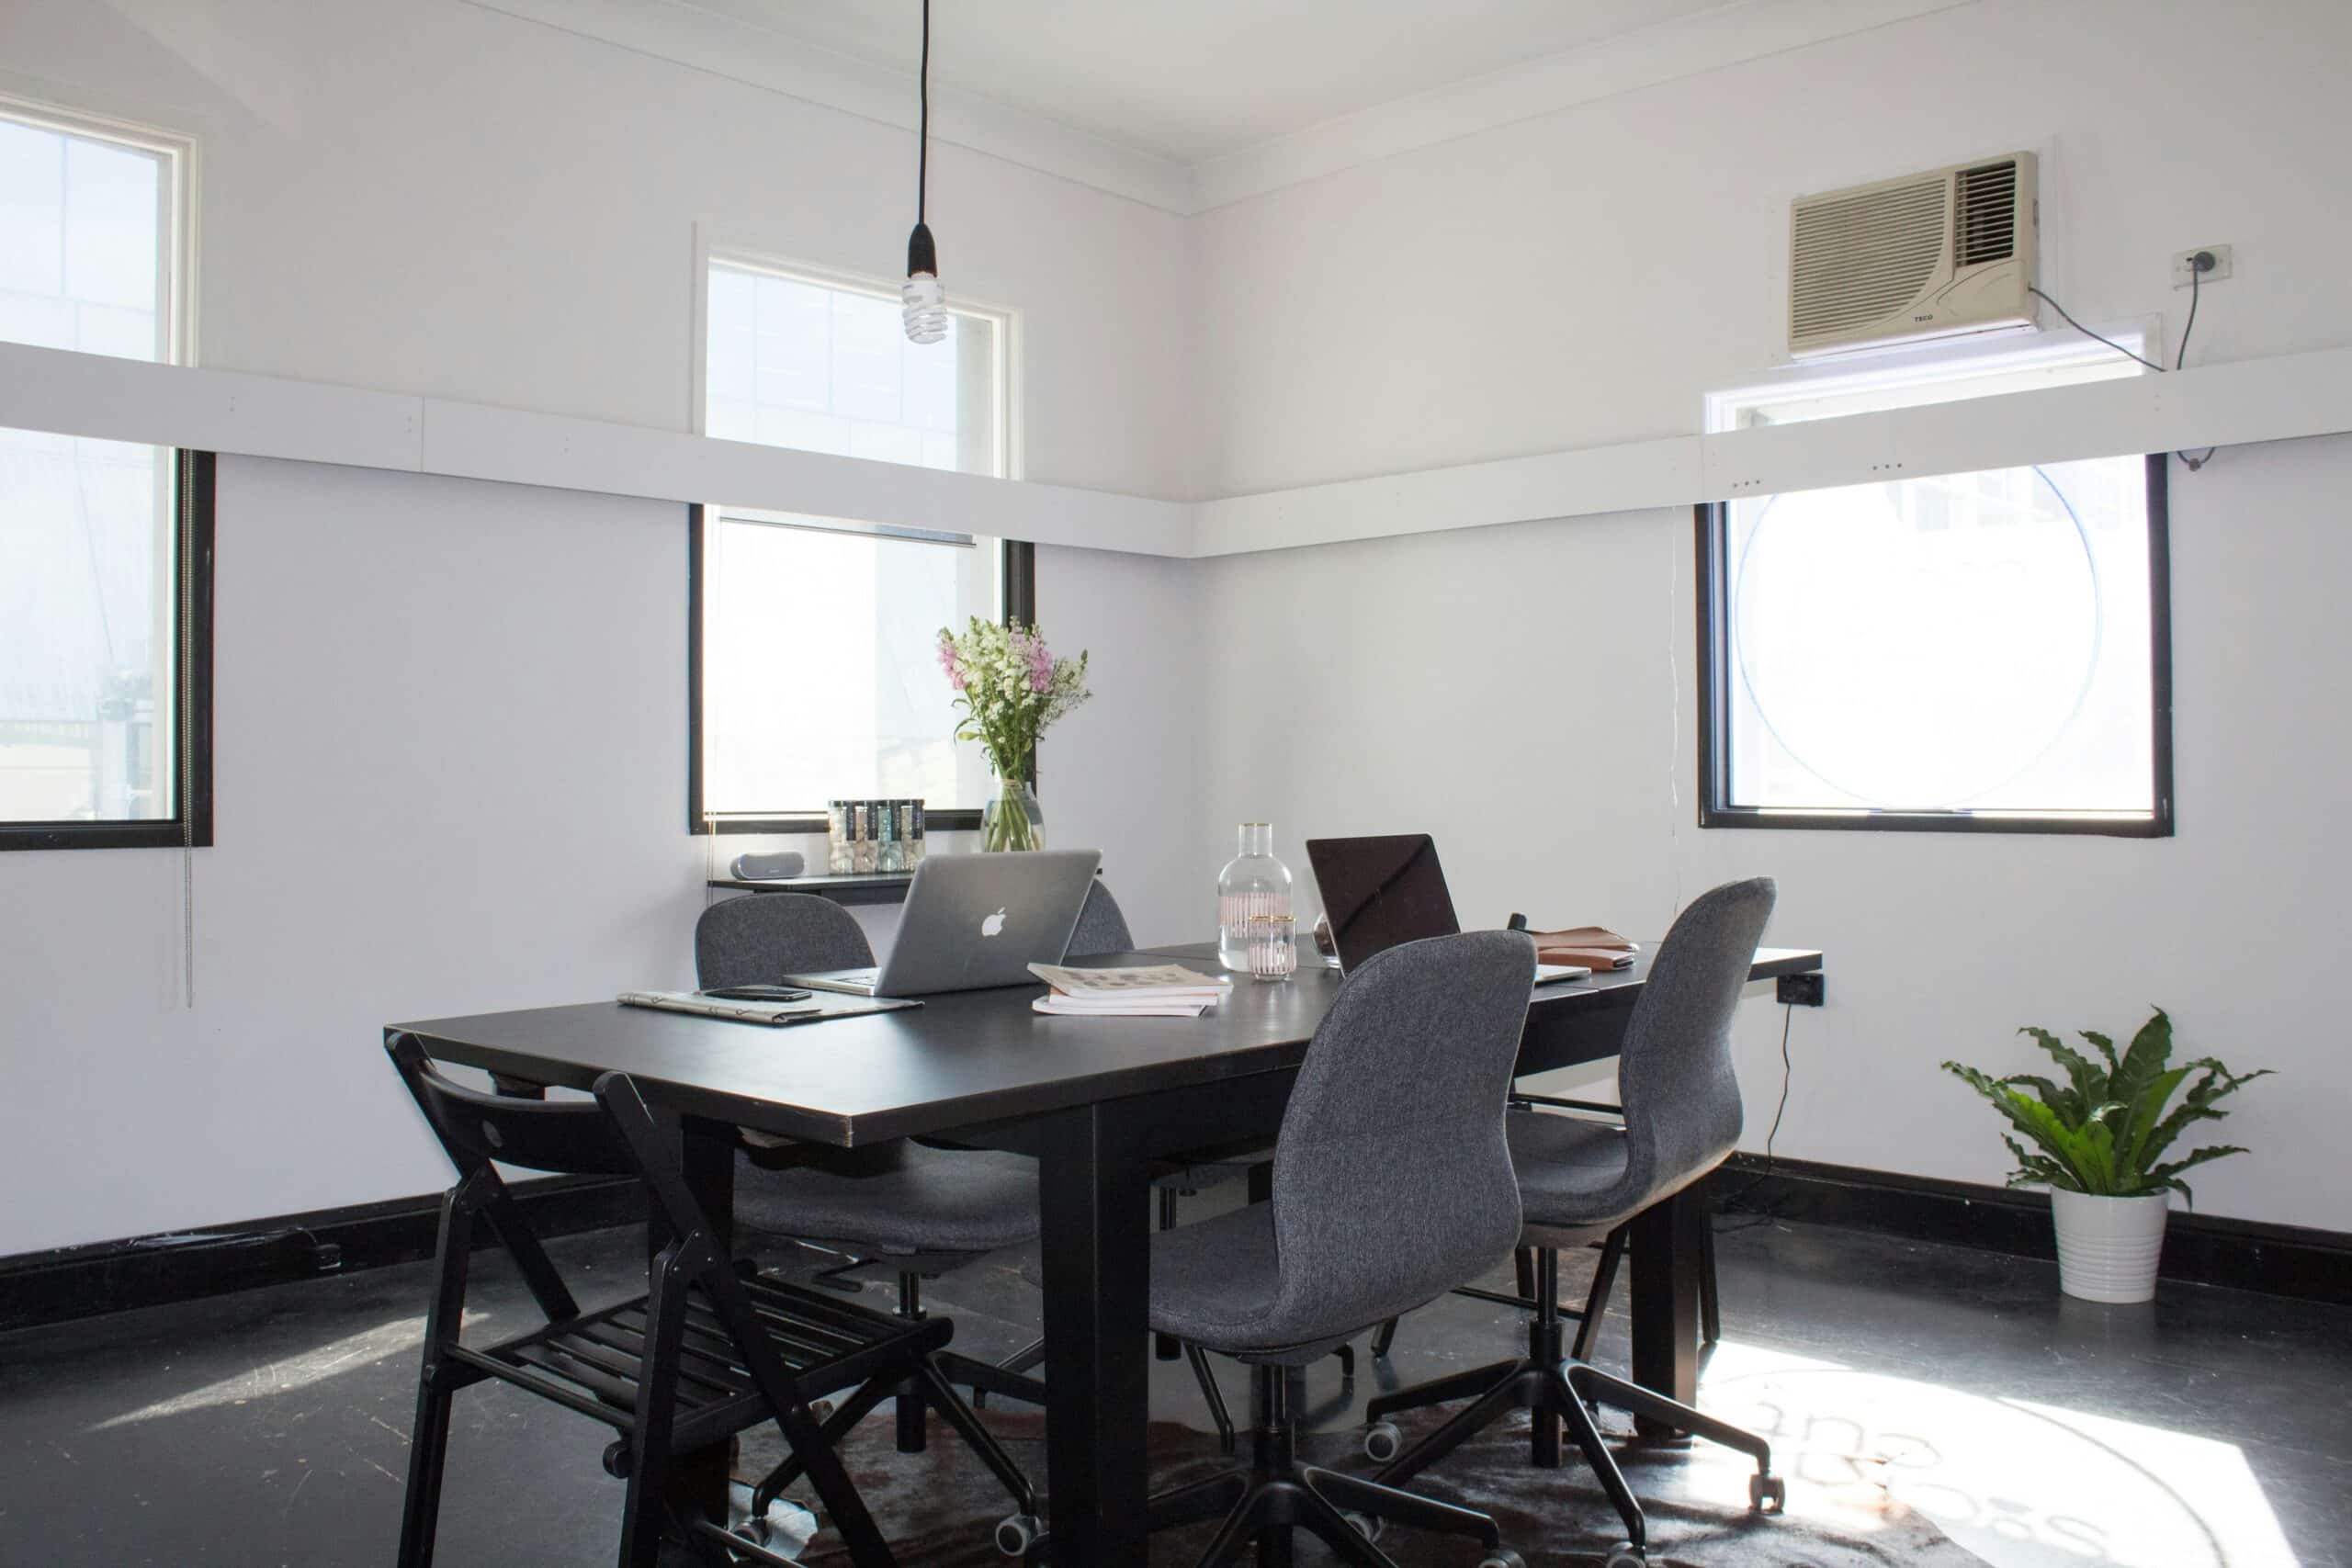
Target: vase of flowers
(1010, 687)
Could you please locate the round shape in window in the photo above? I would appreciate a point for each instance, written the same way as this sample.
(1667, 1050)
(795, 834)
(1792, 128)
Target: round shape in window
(1913, 646)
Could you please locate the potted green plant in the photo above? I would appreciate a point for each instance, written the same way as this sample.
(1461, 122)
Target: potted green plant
(2100, 1138)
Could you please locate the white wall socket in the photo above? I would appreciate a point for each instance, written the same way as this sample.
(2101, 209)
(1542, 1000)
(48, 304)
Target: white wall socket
(2182, 273)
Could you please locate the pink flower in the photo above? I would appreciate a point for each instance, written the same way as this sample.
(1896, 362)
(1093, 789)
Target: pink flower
(1041, 666)
(947, 661)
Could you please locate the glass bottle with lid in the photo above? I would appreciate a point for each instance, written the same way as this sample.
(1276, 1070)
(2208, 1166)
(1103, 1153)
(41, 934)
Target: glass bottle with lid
(1252, 884)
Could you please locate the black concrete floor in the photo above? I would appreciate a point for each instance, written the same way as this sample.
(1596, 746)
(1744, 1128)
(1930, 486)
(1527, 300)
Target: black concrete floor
(2213, 1428)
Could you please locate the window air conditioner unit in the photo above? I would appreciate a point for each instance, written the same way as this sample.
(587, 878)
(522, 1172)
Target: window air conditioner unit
(1930, 255)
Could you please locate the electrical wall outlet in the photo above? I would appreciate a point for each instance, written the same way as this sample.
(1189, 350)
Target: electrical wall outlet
(2183, 273)
(1801, 990)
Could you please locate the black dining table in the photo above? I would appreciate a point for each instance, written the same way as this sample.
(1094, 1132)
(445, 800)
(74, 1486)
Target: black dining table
(1097, 1102)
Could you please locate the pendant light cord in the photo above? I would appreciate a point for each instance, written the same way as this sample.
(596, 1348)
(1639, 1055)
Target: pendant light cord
(923, 133)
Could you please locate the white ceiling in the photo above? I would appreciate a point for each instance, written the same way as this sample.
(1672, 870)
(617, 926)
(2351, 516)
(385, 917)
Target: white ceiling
(1188, 104)
(1190, 80)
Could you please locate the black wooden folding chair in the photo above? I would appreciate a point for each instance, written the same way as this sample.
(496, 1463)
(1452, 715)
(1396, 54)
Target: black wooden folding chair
(711, 1348)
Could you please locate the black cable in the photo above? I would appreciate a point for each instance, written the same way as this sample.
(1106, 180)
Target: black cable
(1788, 1015)
(2196, 286)
(2088, 334)
(2196, 275)
(923, 132)
(1731, 1204)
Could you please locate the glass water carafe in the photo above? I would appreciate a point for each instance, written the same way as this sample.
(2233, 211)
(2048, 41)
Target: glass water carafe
(1252, 885)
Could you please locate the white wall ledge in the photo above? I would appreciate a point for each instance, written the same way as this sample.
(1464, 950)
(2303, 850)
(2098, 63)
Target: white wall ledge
(2285, 398)
(263, 416)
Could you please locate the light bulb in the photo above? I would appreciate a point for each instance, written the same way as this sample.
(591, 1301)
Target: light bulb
(926, 307)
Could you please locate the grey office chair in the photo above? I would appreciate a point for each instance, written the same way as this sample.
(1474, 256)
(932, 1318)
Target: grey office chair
(919, 1208)
(1580, 1181)
(1102, 926)
(1103, 929)
(1392, 1183)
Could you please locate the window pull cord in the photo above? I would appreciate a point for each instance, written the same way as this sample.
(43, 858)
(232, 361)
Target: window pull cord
(184, 722)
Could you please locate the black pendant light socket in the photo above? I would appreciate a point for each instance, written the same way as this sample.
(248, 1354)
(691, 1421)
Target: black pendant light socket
(921, 256)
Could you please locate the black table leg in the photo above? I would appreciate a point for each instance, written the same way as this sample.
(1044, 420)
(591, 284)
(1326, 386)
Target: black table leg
(1094, 1188)
(1667, 1244)
(698, 1484)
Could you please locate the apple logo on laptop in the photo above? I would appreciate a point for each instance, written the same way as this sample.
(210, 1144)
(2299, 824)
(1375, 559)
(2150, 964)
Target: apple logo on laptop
(993, 925)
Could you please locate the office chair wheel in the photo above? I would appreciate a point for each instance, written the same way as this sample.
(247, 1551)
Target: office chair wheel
(1382, 1442)
(1368, 1525)
(1502, 1557)
(820, 1411)
(1625, 1554)
(616, 1459)
(1768, 1493)
(758, 1532)
(1016, 1533)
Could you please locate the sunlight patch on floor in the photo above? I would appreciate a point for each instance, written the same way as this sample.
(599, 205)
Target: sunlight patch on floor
(2022, 1485)
(267, 1379)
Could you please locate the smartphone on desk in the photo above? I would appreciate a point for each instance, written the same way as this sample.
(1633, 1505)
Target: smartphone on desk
(756, 994)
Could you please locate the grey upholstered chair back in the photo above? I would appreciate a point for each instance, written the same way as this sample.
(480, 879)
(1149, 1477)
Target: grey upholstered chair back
(1393, 1179)
(1674, 1074)
(757, 938)
(1101, 926)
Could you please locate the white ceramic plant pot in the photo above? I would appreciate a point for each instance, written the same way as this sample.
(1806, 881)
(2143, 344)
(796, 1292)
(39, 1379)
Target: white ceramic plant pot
(2107, 1247)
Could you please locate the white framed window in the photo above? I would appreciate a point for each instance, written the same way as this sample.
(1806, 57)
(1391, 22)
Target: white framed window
(816, 672)
(105, 546)
(97, 234)
(1985, 651)
(796, 356)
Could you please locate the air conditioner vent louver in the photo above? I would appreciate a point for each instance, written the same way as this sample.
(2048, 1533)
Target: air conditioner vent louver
(1930, 254)
(1863, 256)
(1988, 204)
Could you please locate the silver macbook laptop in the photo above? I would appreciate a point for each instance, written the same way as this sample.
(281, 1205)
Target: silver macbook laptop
(1380, 892)
(974, 921)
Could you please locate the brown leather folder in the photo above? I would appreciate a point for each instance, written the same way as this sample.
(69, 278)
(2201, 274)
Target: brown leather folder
(1596, 948)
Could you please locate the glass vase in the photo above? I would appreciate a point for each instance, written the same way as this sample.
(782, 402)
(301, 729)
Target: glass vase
(1252, 885)
(1013, 820)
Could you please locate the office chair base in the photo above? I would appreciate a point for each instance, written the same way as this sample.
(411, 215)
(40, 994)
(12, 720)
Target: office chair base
(1277, 1496)
(1559, 1391)
(1007, 1379)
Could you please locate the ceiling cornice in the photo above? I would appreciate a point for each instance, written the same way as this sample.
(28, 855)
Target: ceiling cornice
(1727, 35)
(1687, 46)
(688, 35)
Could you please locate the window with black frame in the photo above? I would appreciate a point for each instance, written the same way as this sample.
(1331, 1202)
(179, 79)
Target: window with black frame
(815, 674)
(105, 546)
(1975, 651)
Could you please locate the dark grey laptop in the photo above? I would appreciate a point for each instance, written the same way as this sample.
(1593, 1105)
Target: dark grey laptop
(1379, 892)
(974, 921)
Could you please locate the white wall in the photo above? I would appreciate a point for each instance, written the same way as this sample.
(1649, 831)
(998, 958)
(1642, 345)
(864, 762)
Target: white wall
(1586, 277)
(446, 781)
(432, 198)
(449, 779)
(429, 690)
(1445, 672)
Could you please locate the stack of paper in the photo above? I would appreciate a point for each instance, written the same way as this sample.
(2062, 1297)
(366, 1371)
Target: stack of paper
(1149, 990)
